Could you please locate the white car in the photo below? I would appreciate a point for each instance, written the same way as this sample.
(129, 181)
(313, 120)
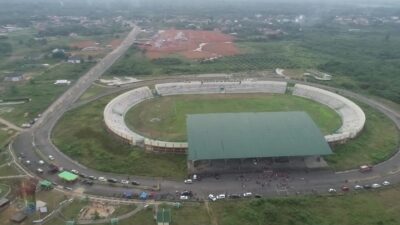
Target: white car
(221, 196)
(41, 162)
(40, 170)
(75, 172)
(124, 182)
(247, 194)
(386, 183)
(358, 187)
(28, 162)
(184, 197)
(51, 157)
(188, 181)
(376, 185)
(102, 179)
(212, 197)
(332, 190)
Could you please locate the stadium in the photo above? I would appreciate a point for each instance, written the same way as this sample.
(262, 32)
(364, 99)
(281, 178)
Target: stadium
(243, 141)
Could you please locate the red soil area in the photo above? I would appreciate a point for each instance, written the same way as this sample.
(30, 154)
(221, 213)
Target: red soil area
(191, 44)
(115, 43)
(84, 44)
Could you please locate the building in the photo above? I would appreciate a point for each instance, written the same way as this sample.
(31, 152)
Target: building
(68, 176)
(237, 142)
(74, 60)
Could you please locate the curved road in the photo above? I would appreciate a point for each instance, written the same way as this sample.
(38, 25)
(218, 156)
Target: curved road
(35, 143)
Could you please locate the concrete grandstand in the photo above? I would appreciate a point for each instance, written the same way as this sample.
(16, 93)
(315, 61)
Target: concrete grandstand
(353, 118)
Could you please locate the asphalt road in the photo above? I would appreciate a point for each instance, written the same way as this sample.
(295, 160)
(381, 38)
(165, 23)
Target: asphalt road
(35, 144)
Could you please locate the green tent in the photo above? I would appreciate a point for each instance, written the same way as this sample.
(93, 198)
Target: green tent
(67, 176)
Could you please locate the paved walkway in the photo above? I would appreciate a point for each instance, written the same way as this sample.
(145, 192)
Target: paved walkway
(10, 125)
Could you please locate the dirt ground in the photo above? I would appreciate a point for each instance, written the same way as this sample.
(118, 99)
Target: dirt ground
(192, 44)
(84, 44)
(104, 211)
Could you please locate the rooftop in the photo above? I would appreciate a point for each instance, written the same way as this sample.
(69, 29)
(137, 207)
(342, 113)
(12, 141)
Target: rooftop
(253, 135)
(67, 176)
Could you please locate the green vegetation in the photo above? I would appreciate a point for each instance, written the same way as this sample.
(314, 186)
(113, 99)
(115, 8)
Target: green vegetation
(41, 90)
(91, 92)
(376, 143)
(165, 118)
(81, 135)
(369, 208)
(372, 63)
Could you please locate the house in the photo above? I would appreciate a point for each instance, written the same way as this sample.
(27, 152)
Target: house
(14, 78)
(67, 82)
(74, 60)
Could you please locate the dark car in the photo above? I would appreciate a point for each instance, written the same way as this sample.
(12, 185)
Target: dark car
(83, 175)
(234, 196)
(88, 182)
(367, 186)
(112, 180)
(135, 183)
(187, 193)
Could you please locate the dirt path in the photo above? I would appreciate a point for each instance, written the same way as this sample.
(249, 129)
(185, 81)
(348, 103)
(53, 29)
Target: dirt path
(210, 214)
(10, 125)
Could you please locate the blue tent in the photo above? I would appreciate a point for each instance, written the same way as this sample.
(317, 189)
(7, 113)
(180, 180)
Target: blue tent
(143, 195)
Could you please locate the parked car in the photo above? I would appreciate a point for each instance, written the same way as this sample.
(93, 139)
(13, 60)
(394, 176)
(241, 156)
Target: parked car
(75, 172)
(385, 183)
(135, 183)
(184, 197)
(345, 188)
(188, 181)
(376, 185)
(92, 177)
(103, 179)
(365, 168)
(88, 182)
(212, 197)
(187, 193)
(41, 162)
(51, 157)
(233, 196)
(124, 182)
(221, 196)
(332, 190)
(247, 194)
(40, 170)
(358, 187)
(28, 162)
(112, 180)
(367, 186)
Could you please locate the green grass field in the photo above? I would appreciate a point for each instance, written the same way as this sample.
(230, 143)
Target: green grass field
(81, 134)
(165, 118)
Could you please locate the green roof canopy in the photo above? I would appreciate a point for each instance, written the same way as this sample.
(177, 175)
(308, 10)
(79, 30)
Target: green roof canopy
(45, 183)
(67, 176)
(253, 135)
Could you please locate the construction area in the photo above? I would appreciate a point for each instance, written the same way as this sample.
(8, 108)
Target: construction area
(191, 44)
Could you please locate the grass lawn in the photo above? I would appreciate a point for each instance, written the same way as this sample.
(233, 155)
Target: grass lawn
(377, 142)
(193, 214)
(81, 134)
(369, 208)
(41, 90)
(92, 91)
(165, 118)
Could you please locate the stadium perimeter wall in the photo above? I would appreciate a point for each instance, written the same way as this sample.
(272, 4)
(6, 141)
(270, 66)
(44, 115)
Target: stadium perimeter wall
(353, 118)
